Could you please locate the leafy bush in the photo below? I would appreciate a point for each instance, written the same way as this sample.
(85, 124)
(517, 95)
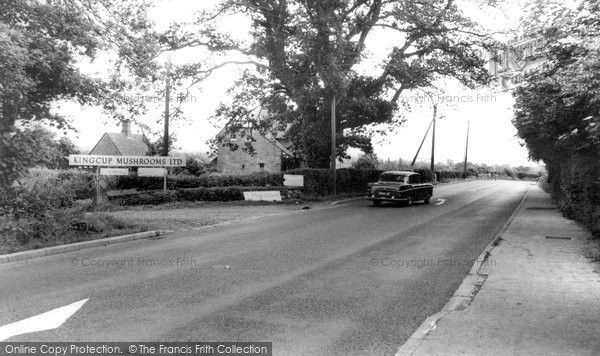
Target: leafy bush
(81, 183)
(366, 161)
(27, 208)
(193, 194)
(148, 198)
(204, 181)
(426, 174)
(527, 176)
(576, 187)
(449, 174)
(348, 180)
(211, 194)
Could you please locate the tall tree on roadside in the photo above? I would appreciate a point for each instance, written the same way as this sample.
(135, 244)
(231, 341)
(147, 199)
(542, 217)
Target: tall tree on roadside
(309, 51)
(557, 111)
(41, 42)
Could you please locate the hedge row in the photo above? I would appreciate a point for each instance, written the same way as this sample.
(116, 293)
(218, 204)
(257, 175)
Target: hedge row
(576, 188)
(316, 181)
(191, 194)
(348, 180)
(189, 181)
(82, 182)
(449, 174)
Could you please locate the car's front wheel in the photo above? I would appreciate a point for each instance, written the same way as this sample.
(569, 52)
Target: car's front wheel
(427, 200)
(376, 203)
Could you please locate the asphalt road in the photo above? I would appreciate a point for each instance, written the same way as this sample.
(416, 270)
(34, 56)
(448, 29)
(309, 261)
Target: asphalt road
(347, 279)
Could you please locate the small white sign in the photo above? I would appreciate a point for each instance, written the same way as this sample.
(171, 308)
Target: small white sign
(263, 196)
(114, 171)
(151, 172)
(292, 180)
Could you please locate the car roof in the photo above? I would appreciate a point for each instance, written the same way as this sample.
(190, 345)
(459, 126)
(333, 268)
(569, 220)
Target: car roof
(404, 173)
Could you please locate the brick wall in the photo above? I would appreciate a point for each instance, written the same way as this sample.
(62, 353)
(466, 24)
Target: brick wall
(240, 162)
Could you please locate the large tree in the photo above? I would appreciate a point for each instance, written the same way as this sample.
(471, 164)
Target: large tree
(309, 51)
(557, 111)
(40, 46)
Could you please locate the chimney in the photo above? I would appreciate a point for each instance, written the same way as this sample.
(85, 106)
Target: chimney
(125, 128)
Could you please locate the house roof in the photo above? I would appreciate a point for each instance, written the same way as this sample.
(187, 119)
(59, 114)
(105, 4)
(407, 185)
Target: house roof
(261, 113)
(131, 145)
(281, 147)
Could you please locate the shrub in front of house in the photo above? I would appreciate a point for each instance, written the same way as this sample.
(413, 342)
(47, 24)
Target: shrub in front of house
(81, 183)
(213, 194)
(204, 181)
(348, 180)
(448, 174)
(210, 194)
(147, 198)
(26, 208)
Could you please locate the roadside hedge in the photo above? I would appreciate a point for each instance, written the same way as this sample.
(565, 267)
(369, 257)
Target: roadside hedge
(229, 187)
(348, 180)
(316, 181)
(81, 182)
(190, 181)
(575, 185)
(222, 194)
(449, 174)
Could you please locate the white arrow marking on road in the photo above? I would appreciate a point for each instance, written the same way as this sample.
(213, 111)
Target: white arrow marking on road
(441, 201)
(45, 321)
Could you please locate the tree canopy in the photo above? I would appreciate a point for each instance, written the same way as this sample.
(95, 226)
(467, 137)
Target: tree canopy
(307, 52)
(41, 44)
(557, 111)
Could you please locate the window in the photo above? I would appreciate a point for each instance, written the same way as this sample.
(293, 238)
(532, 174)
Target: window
(414, 179)
(262, 167)
(392, 177)
(243, 167)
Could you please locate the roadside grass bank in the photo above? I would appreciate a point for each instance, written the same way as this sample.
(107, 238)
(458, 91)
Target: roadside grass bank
(65, 227)
(185, 216)
(83, 222)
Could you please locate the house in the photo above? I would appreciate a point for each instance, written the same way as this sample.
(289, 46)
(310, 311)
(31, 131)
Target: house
(123, 143)
(272, 153)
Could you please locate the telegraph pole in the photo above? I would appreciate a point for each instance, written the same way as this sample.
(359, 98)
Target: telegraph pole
(333, 146)
(422, 142)
(166, 130)
(466, 152)
(433, 145)
(165, 151)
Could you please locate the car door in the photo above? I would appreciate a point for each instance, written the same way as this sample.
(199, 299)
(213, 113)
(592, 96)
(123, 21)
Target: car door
(417, 187)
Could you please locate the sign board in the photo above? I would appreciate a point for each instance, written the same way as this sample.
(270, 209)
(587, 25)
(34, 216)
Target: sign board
(126, 161)
(263, 196)
(114, 171)
(291, 180)
(151, 172)
(520, 58)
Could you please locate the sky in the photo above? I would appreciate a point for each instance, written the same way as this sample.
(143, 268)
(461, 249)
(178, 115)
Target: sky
(492, 138)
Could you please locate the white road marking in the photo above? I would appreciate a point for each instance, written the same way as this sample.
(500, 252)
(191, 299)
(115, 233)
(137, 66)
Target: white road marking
(441, 201)
(45, 321)
(480, 188)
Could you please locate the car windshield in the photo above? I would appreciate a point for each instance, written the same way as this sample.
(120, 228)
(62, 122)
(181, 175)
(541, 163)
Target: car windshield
(391, 177)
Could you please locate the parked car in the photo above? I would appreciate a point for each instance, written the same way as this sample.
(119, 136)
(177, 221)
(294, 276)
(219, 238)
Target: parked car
(397, 186)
